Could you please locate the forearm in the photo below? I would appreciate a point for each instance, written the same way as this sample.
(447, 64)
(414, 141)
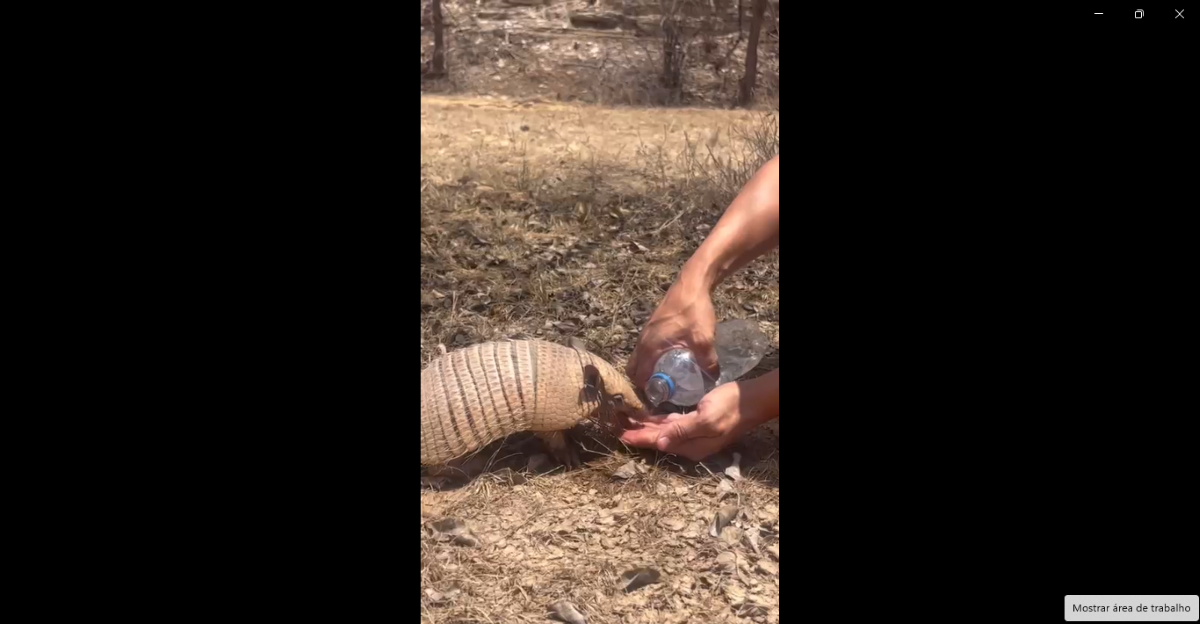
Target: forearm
(748, 229)
(762, 394)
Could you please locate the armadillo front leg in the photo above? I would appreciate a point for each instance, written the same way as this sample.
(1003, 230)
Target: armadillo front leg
(559, 445)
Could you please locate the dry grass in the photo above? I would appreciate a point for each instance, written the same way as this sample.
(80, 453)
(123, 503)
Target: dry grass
(572, 536)
(575, 226)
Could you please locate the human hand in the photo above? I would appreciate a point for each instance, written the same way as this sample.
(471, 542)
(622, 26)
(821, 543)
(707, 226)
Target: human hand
(720, 418)
(685, 318)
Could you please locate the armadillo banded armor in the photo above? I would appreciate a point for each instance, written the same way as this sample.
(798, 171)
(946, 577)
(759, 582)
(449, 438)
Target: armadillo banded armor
(479, 394)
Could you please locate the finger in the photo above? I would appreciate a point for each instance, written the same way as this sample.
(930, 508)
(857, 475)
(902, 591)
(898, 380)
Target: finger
(695, 449)
(647, 419)
(680, 429)
(646, 437)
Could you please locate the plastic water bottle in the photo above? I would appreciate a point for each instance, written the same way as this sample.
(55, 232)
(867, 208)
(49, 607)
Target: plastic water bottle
(678, 378)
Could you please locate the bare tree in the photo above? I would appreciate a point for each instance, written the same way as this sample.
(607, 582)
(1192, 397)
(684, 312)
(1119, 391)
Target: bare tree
(747, 92)
(676, 38)
(439, 46)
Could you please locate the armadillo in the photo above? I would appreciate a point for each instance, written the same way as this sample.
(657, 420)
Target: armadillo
(484, 392)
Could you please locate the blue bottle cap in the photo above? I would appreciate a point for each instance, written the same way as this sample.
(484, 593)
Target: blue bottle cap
(670, 384)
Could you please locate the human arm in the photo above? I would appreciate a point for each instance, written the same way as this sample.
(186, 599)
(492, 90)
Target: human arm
(685, 317)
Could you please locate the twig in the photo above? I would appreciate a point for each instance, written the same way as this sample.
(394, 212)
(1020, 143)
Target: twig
(668, 223)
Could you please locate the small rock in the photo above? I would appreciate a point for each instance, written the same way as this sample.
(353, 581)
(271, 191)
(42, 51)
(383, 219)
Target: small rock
(567, 612)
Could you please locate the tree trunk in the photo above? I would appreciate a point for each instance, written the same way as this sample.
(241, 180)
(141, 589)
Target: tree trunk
(439, 48)
(747, 92)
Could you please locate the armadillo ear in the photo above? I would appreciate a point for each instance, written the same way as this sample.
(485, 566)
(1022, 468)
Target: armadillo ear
(591, 376)
(591, 384)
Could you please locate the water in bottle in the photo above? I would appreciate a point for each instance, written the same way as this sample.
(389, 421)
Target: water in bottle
(740, 346)
(678, 378)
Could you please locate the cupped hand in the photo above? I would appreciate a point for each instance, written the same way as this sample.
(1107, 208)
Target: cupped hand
(720, 418)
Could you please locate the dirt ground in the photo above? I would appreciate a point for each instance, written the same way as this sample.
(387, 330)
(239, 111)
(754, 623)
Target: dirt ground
(545, 220)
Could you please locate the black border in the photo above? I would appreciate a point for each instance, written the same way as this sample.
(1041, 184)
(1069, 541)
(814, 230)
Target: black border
(991, 311)
(259, 311)
(245, 264)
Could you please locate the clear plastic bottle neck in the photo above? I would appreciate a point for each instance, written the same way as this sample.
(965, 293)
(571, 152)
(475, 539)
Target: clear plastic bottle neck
(658, 389)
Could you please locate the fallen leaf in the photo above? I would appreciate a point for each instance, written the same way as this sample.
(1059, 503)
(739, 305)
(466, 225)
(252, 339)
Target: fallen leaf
(774, 550)
(734, 470)
(637, 577)
(724, 488)
(721, 519)
(735, 593)
(767, 567)
(567, 612)
(454, 531)
(438, 597)
(673, 523)
(731, 535)
(752, 539)
(628, 471)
